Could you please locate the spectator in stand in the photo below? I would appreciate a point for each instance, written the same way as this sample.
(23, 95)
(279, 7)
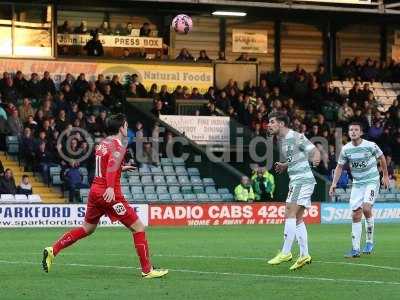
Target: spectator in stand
(159, 109)
(62, 122)
(362, 119)
(159, 55)
(25, 110)
(94, 47)
(7, 183)
(244, 191)
(105, 28)
(321, 75)
(69, 95)
(65, 28)
(153, 91)
(27, 146)
(140, 89)
(210, 95)
(126, 54)
(93, 96)
(263, 89)
(74, 180)
(131, 92)
(101, 121)
(24, 188)
(126, 30)
(223, 101)
(9, 92)
(369, 71)
(276, 95)
(231, 85)
(375, 131)
(345, 114)
(81, 85)
(47, 84)
(61, 104)
(14, 124)
(263, 184)
(209, 109)
(140, 55)
(110, 100)
(47, 107)
(184, 55)
(196, 94)
(34, 90)
(315, 97)
(82, 29)
(356, 95)
(185, 93)
(101, 82)
(163, 95)
(145, 29)
(149, 157)
(203, 57)
(21, 84)
(243, 57)
(116, 87)
(221, 55)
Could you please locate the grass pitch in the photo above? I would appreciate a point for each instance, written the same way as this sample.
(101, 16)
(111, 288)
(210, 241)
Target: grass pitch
(227, 262)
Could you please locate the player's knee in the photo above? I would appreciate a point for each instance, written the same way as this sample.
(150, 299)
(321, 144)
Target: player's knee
(357, 214)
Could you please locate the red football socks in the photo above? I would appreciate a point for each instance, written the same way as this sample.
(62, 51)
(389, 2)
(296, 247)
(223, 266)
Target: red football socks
(68, 239)
(142, 250)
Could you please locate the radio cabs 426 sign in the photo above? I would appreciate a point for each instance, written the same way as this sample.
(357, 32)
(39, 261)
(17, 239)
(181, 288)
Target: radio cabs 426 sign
(224, 214)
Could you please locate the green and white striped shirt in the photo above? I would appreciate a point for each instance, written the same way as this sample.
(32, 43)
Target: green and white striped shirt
(295, 148)
(362, 160)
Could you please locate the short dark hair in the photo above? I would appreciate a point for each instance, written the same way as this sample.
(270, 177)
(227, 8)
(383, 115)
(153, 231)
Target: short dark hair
(114, 123)
(25, 176)
(355, 123)
(280, 117)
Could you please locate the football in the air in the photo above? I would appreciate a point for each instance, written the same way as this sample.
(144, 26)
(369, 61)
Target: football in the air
(182, 24)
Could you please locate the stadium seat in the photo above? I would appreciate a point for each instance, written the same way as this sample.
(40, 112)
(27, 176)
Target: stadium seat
(198, 189)
(215, 197)
(147, 180)
(144, 171)
(7, 197)
(174, 189)
(196, 180)
(134, 180)
(54, 170)
(138, 197)
(21, 198)
(171, 180)
(56, 179)
(189, 197)
(124, 181)
(149, 189)
(125, 189)
(184, 180)
(156, 171)
(128, 197)
(12, 144)
(177, 197)
(193, 172)
(84, 199)
(186, 189)
(168, 170)
(161, 190)
(181, 170)
(223, 191)
(159, 180)
(34, 198)
(211, 190)
(136, 189)
(151, 197)
(164, 197)
(166, 161)
(208, 182)
(202, 197)
(227, 197)
(83, 171)
(178, 161)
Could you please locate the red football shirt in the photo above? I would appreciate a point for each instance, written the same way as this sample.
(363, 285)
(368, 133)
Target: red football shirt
(109, 157)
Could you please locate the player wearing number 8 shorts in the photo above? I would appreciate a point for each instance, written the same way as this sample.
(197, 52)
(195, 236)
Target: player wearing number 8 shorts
(362, 156)
(296, 150)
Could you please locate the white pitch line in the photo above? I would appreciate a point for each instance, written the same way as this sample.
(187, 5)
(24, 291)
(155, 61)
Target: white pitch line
(295, 278)
(234, 258)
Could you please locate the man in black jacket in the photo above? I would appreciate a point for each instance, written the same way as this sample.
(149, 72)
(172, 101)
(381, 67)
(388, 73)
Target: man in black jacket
(94, 47)
(7, 183)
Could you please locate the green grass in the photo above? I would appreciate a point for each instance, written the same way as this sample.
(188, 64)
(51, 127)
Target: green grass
(88, 269)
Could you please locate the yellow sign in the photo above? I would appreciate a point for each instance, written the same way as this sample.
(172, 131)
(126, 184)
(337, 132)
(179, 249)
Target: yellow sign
(201, 77)
(249, 41)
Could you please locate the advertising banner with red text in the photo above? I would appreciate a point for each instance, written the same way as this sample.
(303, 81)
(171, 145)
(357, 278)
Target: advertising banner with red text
(224, 214)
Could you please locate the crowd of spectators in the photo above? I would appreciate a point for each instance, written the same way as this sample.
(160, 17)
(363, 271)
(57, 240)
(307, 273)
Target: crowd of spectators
(38, 111)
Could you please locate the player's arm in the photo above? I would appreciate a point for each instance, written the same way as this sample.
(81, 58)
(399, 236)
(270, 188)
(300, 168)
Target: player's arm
(314, 156)
(338, 171)
(114, 163)
(385, 178)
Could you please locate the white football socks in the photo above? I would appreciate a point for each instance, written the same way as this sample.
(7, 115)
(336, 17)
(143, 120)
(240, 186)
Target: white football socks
(369, 230)
(289, 235)
(356, 230)
(302, 238)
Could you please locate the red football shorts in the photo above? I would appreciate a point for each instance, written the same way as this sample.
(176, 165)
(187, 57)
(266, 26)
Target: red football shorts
(118, 210)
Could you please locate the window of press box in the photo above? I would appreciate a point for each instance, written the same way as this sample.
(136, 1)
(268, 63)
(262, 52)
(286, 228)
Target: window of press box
(25, 30)
(116, 30)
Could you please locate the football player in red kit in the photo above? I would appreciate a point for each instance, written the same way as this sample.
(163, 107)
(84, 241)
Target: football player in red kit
(106, 198)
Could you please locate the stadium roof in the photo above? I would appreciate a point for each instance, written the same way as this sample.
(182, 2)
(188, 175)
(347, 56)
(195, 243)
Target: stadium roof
(358, 6)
